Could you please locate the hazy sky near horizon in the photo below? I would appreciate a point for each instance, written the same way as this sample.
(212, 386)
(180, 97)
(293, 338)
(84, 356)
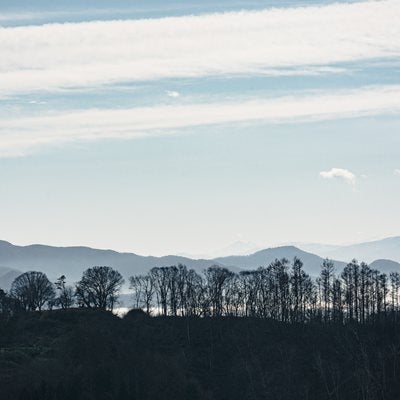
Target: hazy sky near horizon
(167, 127)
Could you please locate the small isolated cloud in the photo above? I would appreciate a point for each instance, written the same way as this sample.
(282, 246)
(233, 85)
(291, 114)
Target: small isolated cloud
(397, 172)
(172, 93)
(339, 173)
(37, 102)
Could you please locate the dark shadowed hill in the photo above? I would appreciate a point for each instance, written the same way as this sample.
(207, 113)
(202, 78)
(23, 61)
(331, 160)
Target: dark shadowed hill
(84, 354)
(312, 263)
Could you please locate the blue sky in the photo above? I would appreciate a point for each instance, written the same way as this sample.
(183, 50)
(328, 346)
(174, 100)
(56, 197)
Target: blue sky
(172, 127)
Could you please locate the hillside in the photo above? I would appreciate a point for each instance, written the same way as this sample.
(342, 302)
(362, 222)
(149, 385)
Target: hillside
(83, 354)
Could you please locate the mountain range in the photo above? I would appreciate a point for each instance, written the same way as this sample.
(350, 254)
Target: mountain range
(388, 248)
(72, 261)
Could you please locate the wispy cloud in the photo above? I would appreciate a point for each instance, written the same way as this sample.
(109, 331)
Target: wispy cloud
(339, 173)
(287, 40)
(397, 172)
(18, 135)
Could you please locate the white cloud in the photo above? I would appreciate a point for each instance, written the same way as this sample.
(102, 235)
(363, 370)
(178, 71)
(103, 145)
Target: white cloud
(17, 135)
(298, 40)
(37, 102)
(397, 172)
(172, 93)
(339, 173)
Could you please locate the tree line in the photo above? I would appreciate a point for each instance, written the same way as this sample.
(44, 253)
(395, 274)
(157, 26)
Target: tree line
(98, 288)
(281, 291)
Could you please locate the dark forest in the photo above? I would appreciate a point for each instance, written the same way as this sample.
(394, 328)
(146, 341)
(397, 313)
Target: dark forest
(271, 333)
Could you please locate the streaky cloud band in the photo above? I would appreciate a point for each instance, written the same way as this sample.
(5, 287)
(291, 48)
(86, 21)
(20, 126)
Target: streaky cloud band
(21, 135)
(311, 38)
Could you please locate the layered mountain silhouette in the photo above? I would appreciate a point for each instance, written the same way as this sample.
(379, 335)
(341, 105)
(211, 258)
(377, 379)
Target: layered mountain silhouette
(385, 266)
(312, 263)
(72, 261)
(384, 249)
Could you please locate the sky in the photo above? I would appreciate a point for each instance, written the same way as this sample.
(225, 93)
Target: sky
(172, 127)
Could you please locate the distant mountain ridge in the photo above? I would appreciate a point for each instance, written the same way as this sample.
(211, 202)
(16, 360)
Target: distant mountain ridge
(312, 263)
(388, 248)
(7, 276)
(238, 248)
(72, 261)
(385, 266)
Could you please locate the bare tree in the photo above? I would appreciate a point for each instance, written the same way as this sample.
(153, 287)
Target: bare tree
(275, 291)
(33, 290)
(65, 297)
(395, 289)
(143, 291)
(326, 278)
(160, 277)
(217, 279)
(99, 287)
(136, 285)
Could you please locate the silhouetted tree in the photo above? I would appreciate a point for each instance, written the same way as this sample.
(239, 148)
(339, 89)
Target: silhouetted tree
(300, 283)
(326, 278)
(99, 287)
(8, 305)
(33, 290)
(217, 280)
(65, 298)
(395, 290)
(350, 277)
(279, 291)
(160, 277)
(337, 301)
(143, 291)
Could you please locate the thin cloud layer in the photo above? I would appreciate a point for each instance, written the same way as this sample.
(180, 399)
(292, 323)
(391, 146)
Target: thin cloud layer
(19, 135)
(339, 173)
(305, 39)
